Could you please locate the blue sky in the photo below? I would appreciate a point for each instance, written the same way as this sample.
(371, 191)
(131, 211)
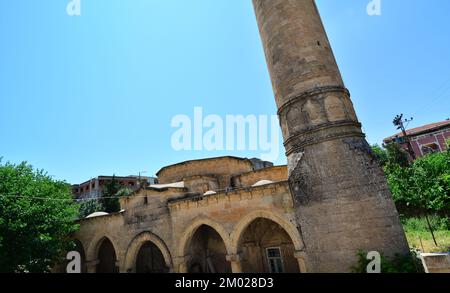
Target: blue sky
(95, 94)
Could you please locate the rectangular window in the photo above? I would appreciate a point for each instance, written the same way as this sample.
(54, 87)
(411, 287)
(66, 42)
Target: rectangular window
(275, 260)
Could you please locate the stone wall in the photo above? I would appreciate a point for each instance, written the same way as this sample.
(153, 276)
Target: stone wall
(171, 220)
(223, 168)
(275, 174)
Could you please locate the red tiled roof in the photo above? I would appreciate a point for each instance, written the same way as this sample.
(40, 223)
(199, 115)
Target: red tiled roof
(420, 130)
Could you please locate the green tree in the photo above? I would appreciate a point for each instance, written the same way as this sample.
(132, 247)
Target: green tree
(425, 185)
(110, 196)
(89, 207)
(381, 154)
(37, 217)
(397, 264)
(125, 192)
(391, 155)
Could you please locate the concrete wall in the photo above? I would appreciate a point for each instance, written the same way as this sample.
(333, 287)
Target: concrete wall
(436, 262)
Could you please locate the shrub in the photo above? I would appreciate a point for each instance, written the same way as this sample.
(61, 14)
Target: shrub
(89, 207)
(398, 264)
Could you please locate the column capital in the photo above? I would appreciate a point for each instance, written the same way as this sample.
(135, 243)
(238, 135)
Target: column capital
(91, 266)
(92, 263)
(182, 263)
(183, 259)
(235, 260)
(234, 257)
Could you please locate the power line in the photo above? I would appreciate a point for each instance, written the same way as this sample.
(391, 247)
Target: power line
(65, 199)
(438, 94)
(55, 199)
(81, 199)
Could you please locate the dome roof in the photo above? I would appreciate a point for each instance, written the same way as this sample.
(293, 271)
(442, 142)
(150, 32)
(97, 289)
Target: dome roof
(170, 185)
(97, 214)
(210, 192)
(262, 182)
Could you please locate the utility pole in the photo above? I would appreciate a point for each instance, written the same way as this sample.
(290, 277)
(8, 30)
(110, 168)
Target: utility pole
(139, 178)
(400, 123)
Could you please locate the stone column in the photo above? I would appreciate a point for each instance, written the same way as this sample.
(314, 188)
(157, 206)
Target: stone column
(340, 193)
(91, 266)
(182, 264)
(301, 259)
(235, 261)
(120, 267)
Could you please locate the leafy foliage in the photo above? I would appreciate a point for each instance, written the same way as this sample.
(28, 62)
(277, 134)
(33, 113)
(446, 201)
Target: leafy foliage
(381, 153)
(415, 224)
(124, 192)
(112, 191)
(398, 264)
(391, 155)
(89, 207)
(37, 217)
(425, 185)
(422, 186)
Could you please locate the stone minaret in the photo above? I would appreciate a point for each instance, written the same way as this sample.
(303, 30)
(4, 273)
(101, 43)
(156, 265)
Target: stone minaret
(341, 197)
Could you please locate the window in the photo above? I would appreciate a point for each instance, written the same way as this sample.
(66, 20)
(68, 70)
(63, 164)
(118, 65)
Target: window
(430, 149)
(399, 139)
(274, 260)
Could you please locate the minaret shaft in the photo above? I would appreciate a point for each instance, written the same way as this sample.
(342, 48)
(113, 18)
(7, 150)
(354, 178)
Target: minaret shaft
(342, 200)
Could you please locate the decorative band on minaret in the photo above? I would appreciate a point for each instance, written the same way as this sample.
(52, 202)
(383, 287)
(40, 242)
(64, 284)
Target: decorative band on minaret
(342, 201)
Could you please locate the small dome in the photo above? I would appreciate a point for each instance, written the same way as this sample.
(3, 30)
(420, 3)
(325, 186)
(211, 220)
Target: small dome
(210, 192)
(170, 185)
(97, 214)
(262, 182)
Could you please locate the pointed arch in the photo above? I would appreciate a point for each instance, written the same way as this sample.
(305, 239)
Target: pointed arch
(94, 246)
(240, 228)
(192, 228)
(136, 244)
(106, 257)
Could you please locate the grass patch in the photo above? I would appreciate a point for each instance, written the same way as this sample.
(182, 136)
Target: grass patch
(419, 236)
(423, 241)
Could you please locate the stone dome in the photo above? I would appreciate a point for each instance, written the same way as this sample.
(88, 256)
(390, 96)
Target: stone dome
(262, 182)
(210, 192)
(97, 214)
